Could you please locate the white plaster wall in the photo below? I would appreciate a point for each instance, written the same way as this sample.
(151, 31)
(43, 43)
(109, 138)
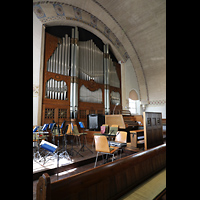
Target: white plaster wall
(37, 34)
(157, 108)
(129, 82)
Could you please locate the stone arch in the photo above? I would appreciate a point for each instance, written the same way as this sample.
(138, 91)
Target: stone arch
(96, 19)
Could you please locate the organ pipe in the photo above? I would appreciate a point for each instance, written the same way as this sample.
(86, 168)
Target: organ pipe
(59, 60)
(74, 74)
(84, 60)
(106, 79)
(56, 89)
(91, 62)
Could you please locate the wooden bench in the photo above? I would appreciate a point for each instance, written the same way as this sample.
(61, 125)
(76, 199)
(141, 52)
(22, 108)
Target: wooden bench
(108, 181)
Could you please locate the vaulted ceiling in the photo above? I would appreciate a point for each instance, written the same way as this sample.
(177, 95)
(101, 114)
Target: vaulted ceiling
(135, 30)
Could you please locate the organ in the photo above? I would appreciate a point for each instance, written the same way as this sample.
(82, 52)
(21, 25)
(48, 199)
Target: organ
(79, 78)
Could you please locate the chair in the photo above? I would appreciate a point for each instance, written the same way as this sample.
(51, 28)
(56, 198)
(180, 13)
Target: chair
(77, 134)
(120, 141)
(106, 127)
(101, 146)
(57, 133)
(74, 133)
(113, 130)
(106, 131)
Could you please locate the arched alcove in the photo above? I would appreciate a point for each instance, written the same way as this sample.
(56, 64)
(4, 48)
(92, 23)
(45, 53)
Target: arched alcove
(133, 95)
(134, 102)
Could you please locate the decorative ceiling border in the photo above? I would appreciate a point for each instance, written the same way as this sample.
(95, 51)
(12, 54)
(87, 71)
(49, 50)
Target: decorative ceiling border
(157, 102)
(82, 16)
(95, 1)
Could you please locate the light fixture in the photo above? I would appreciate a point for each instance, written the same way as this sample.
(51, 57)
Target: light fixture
(115, 107)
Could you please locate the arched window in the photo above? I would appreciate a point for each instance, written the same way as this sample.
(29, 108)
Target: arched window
(133, 102)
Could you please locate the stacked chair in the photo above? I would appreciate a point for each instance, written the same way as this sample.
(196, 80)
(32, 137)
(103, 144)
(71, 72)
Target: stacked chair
(108, 131)
(120, 141)
(101, 146)
(104, 141)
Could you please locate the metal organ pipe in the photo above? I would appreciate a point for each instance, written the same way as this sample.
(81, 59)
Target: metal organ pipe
(63, 56)
(59, 62)
(106, 79)
(60, 59)
(91, 62)
(84, 60)
(56, 89)
(74, 74)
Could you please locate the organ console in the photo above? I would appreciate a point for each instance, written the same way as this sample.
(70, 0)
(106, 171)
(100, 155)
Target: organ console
(125, 123)
(80, 78)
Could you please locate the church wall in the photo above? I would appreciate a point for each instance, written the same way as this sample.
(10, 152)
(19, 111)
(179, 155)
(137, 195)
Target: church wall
(159, 107)
(37, 34)
(157, 101)
(129, 82)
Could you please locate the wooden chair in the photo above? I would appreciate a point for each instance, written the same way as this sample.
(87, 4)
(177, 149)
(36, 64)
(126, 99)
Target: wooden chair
(101, 146)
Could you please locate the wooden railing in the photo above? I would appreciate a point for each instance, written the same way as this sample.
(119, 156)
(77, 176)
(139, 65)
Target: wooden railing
(108, 181)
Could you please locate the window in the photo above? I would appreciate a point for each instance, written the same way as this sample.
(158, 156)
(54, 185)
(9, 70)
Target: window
(133, 102)
(132, 106)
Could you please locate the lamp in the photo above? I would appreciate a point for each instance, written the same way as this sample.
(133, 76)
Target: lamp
(115, 107)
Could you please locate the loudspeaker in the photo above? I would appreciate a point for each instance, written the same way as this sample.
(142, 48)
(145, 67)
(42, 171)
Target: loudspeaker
(95, 121)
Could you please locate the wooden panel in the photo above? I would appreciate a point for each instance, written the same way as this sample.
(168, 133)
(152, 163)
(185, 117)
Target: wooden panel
(51, 43)
(153, 134)
(54, 109)
(115, 119)
(58, 113)
(84, 108)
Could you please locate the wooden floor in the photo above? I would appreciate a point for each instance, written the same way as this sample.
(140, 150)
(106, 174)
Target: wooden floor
(68, 168)
(51, 164)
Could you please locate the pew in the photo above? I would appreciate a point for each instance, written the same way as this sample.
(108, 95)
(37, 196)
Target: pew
(108, 181)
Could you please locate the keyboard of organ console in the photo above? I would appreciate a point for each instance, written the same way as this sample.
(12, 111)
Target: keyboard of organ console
(126, 123)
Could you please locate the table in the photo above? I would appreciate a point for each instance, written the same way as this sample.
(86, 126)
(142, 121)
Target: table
(134, 138)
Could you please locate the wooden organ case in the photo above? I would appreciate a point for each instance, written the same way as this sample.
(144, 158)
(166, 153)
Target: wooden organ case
(56, 86)
(79, 79)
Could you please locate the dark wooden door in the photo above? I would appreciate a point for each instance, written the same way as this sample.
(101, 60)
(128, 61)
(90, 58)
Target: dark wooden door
(153, 135)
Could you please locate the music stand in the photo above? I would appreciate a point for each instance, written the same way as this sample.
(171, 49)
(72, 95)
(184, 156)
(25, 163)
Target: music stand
(65, 154)
(83, 127)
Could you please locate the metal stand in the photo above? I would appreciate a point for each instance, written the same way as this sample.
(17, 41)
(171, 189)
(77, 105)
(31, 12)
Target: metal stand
(82, 148)
(57, 165)
(72, 141)
(72, 148)
(65, 154)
